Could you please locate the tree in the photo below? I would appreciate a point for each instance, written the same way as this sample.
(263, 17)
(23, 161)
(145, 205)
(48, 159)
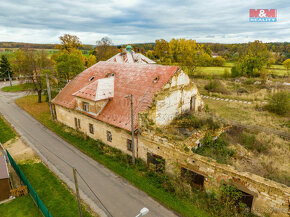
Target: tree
(69, 65)
(286, 64)
(183, 52)
(105, 49)
(218, 61)
(91, 60)
(69, 42)
(253, 58)
(32, 64)
(161, 48)
(5, 69)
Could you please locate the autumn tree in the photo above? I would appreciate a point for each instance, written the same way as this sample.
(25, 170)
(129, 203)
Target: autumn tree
(183, 52)
(105, 49)
(32, 64)
(69, 42)
(286, 64)
(92, 60)
(161, 48)
(253, 58)
(68, 65)
(5, 69)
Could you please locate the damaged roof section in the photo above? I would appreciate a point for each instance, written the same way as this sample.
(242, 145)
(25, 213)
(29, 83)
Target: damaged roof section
(129, 56)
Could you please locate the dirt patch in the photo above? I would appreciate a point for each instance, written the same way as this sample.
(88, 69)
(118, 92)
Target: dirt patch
(20, 151)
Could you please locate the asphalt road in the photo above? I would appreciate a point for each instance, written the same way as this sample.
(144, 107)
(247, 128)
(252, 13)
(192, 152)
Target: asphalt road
(118, 196)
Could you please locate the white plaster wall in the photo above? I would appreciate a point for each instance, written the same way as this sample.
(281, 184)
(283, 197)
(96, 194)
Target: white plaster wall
(177, 101)
(180, 79)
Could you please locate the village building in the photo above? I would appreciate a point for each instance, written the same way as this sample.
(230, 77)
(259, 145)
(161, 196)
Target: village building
(96, 101)
(4, 179)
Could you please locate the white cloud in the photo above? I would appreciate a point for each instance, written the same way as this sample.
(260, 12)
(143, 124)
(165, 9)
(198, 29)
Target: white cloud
(130, 21)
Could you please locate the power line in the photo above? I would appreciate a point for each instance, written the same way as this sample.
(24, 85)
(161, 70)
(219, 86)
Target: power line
(95, 194)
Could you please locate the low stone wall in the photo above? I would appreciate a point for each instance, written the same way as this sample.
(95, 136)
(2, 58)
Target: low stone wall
(269, 197)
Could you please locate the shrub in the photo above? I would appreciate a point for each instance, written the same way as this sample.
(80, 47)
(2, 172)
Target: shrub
(216, 86)
(216, 149)
(235, 72)
(279, 103)
(250, 142)
(226, 73)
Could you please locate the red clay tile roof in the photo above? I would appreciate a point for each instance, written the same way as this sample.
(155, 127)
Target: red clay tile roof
(136, 79)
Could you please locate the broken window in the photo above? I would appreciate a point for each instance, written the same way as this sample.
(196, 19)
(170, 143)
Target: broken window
(129, 145)
(86, 106)
(109, 136)
(155, 161)
(194, 179)
(91, 127)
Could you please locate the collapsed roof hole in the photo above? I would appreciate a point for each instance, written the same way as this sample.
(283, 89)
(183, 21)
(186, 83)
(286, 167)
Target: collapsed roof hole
(92, 78)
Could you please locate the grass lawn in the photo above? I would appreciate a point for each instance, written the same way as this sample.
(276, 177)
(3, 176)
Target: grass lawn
(218, 71)
(56, 197)
(116, 161)
(6, 133)
(20, 207)
(17, 88)
(246, 114)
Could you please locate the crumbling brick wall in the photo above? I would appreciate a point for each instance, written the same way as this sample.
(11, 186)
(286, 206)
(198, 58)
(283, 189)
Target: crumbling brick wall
(268, 196)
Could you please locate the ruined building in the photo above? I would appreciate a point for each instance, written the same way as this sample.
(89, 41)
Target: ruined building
(96, 103)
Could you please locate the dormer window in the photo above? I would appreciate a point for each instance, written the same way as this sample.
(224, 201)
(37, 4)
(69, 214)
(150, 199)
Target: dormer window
(156, 79)
(110, 75)
(92, 78)
(86, 107)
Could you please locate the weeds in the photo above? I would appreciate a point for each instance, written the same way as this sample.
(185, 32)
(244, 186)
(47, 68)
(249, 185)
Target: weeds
(216, 149)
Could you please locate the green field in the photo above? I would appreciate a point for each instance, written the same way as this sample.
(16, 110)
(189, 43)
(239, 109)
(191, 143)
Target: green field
(17, 88)
(218, 71)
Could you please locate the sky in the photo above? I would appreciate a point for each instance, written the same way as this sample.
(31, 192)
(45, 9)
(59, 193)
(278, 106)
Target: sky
(140, 21)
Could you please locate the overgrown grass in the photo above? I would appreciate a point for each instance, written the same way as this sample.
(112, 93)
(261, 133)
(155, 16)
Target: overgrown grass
(6, 133)
(20, 207)
(56, 197)
(164, 189)
(18, 87)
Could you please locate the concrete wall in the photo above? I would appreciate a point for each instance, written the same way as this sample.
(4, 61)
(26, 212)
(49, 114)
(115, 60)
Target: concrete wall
(119, 136)
(269, 197)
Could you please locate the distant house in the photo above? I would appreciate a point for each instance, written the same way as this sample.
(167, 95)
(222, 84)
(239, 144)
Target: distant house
(96, 101)
(214, 55)
(129, 56)
(4, 180)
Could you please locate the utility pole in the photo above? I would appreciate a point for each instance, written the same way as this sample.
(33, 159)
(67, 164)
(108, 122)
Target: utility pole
(77, 192)
(49, 96)
(9, 79)
(132, 130)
